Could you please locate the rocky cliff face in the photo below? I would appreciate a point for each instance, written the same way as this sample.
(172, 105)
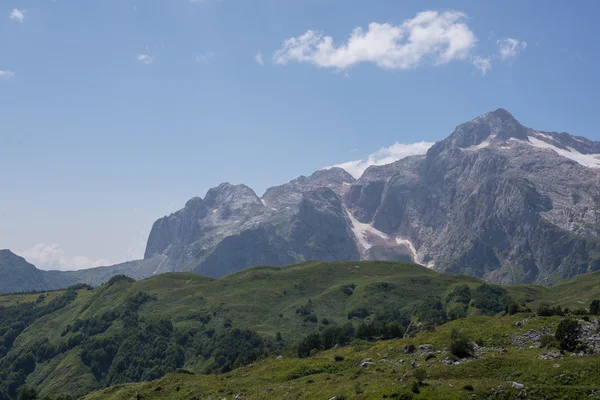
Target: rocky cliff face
(494, 199)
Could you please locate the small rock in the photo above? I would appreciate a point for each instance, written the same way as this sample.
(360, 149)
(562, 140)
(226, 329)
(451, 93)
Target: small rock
(556, 365)
(425, 347)
(269, 389)
(279, 357)
(516, 385)
(429, 356)
(409, 349)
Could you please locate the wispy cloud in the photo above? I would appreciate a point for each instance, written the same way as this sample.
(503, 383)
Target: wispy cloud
(430, 37)
(145, 58)
(17, 15)
(383, 156)
(258, 57)
(5, 75)
(53, 257)
(510, 48)
(483, 64)
(204, 57)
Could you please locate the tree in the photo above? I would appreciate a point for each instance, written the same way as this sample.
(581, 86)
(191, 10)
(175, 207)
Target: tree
(460, 345)
(310, 342)
(595, 307)
(513, 308)
(567, 334)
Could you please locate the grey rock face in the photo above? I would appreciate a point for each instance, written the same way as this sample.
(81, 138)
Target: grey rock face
(489, 201)
(494, 199)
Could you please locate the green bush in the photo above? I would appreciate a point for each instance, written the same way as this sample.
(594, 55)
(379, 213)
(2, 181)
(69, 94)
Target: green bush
(567, 334)
(360, 313)
(348, 289)
(595, 307)
(431, 311)
(460, 344)
(545, 310)
(415, 388)
(309, 343)
(489, 299)
(513, 308)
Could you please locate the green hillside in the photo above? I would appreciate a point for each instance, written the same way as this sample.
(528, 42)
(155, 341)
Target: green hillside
(75, 341)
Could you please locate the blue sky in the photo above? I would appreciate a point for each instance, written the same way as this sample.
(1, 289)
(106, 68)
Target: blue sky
(115, 112)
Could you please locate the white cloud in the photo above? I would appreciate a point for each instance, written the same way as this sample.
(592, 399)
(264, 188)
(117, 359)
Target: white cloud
(53, 257)
(386, 155)
(145, 58)
(17, 15)
(483, 64)
(5, 75)
(510, 48)
(431, 36)
(205, 56)
(259, 58)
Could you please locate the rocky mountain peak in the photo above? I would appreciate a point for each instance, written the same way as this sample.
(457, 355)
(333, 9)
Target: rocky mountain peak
(493, 127)
(228, 193)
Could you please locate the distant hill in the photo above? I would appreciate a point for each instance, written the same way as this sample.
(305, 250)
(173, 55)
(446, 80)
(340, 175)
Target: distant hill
(17, 275)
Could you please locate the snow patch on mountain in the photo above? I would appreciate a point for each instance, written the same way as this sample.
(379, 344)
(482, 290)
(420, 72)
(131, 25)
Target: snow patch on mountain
(364, 233)
(413, 252)
(481, 145)
(534, 140)
(587, 160)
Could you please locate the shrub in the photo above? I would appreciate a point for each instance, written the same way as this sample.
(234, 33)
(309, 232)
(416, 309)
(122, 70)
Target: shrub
(580, 311)
(393, 330)
(489, 299)
(545, 310)
(415, 388)
(309, 343)
(567, 333)
(360, 312)
(468, 388)
(460, 345)
(513, 308)
(595, 307)
(312, 317)
(348, 289)
(431, 311)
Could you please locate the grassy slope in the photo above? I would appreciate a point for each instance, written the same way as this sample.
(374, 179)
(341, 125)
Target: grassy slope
(256, 297)
(321, 377)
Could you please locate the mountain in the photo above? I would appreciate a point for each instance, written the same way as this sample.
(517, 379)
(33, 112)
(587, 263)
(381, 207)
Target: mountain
(232, 228)
(495, 199)
(17, 275)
